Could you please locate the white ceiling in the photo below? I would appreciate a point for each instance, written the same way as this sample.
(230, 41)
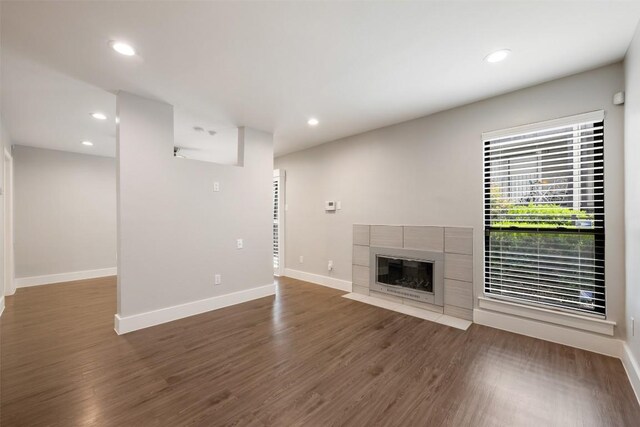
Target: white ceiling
(355, 66)
(222, 147)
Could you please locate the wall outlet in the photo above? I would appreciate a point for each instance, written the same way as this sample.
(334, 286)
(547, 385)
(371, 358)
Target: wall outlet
(216, 186)
(217, 279)
(330, 265)
(301, 259)
(239, 244)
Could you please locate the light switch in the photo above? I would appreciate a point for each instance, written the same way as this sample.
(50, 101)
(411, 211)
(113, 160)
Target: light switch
(239, 243)
(216, 186)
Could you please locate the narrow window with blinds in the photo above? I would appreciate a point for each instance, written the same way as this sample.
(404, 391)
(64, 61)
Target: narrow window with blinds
(276, 223)
(544, 214)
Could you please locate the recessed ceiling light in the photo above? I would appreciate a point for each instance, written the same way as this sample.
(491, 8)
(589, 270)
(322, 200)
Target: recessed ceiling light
(497, 56)
(122, 48)
(87, 143)
(313, 121)
(99, 116)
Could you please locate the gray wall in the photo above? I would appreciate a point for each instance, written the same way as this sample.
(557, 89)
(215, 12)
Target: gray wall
(175, 232)
(632, 192)
(429, 172)
(5, 141)
(65, 212)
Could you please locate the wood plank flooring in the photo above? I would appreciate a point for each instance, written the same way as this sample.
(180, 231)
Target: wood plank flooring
(304, 357)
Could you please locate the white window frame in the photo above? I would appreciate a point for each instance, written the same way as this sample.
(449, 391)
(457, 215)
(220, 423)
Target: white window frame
(574, 320)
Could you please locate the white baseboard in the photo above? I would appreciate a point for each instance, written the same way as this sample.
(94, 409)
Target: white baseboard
(125, 324)
(596, 343)
(318, 279)
(23, 282)
(633, 369)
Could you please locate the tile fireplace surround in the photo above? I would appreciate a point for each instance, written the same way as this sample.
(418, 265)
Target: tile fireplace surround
(456, 243)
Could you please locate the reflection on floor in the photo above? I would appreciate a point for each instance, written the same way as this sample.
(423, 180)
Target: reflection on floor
(304, 357)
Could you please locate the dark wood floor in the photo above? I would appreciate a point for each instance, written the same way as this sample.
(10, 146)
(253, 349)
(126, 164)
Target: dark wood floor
(306, 357)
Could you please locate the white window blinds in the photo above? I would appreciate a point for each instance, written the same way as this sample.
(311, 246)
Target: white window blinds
(544, 213)
(276, 223)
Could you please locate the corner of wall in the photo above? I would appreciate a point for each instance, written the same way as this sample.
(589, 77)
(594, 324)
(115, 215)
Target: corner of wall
(126, 324)
(632, 199)
(318, 279)
(632, 367)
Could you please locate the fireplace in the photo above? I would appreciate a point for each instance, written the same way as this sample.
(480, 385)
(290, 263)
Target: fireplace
(407, 273)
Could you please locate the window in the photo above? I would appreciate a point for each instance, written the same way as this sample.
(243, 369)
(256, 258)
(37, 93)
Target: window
(276, 222)
(279, 184)
(544, 214)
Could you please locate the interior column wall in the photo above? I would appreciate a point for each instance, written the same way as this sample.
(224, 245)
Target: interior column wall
(175, 232)
(5, 142)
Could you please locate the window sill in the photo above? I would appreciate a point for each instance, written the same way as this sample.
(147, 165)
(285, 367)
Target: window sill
(585, 323)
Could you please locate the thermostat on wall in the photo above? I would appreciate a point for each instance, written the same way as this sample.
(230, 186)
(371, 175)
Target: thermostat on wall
(329, 206)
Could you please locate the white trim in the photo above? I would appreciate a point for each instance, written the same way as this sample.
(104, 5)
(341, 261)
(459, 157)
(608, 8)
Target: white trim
(593, 116)
(125, 324)
(1, 304)
(633, 369)
(545, 331)
(318, 279)
(24, 282)
(584, 323)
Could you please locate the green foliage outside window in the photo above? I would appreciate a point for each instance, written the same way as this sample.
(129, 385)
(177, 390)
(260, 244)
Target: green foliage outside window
(535, 215)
